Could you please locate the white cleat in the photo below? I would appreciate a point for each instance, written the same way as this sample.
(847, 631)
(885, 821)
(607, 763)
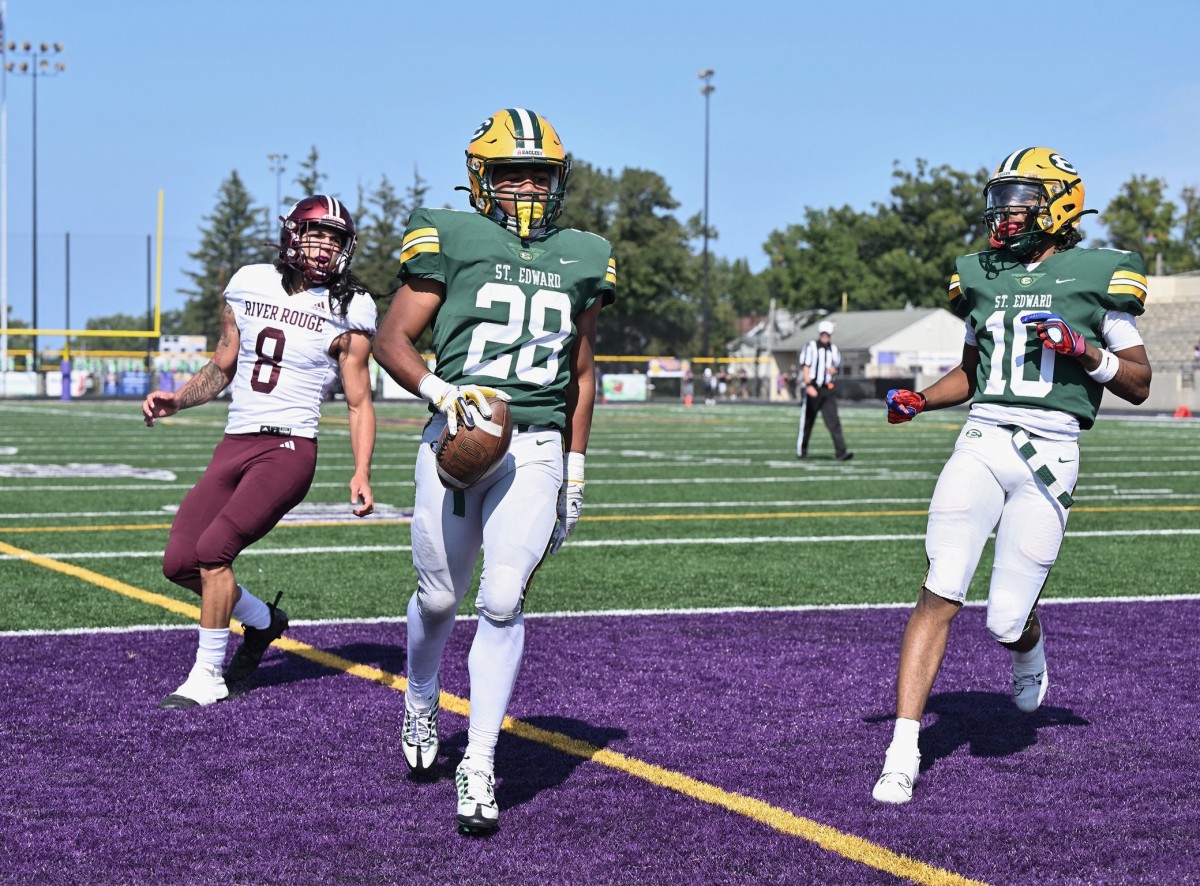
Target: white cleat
(419, 735)
(204, 686)
(478, 812)
(1030, 680)
(900, 769)
(1030, 689)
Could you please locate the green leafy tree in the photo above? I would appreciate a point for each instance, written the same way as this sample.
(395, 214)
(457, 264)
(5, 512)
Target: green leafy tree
(814, 262)
(115, 342)
(17, 342)
(656, 311)
(901, 252)
(1143, 219)
(935, 215)
(234, 236)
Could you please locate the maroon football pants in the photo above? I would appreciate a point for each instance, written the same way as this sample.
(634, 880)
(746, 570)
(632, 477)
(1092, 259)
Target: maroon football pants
(251, 482)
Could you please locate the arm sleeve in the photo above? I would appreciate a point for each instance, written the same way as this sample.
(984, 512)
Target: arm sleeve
(1120, 331)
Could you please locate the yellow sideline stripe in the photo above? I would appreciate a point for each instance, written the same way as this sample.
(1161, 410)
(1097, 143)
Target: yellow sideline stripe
(187, 610)
(847, 846)
(617, 518)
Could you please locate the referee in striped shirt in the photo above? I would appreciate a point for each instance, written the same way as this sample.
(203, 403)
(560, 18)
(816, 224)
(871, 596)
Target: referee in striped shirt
(819, 364)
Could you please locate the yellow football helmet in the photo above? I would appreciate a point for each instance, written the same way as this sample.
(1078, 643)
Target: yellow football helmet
(519, 137)
(1041, 188)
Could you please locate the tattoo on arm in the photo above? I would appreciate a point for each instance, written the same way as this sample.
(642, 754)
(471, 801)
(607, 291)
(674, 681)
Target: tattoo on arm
(202, 387)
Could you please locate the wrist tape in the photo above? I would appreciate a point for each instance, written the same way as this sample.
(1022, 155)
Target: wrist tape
(1107, 370)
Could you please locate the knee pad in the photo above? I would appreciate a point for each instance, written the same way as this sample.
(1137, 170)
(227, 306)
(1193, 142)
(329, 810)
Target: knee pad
(218, 546)
(501, 594)
(436, 604)
(179, 568)
(1005, 624)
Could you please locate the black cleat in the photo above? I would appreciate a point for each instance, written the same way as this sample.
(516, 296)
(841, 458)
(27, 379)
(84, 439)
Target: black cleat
(255, 642)
(845, 456)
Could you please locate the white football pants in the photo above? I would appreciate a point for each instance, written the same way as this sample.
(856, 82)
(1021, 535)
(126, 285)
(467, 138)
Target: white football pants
(987, 485)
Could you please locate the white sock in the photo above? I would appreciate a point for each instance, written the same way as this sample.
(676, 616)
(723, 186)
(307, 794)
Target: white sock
(904, 735)
(481, 752)
(494, 662)
(1030, 662)
(251, 611)
(213, 642)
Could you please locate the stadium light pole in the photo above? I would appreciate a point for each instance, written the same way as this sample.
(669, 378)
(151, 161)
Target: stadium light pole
(277, 167)
(3, 201)
(35, 65)
(706, 90)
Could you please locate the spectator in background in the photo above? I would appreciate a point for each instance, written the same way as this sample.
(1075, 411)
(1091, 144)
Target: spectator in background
(819, 363)
(793, 381)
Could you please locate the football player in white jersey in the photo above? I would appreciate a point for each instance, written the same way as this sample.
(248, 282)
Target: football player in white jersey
(1049, 327)
(288, 331)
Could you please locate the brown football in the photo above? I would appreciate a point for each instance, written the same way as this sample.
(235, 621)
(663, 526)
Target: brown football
(464, 458)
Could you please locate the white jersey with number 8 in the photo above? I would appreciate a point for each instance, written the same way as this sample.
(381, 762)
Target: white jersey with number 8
(284, 367)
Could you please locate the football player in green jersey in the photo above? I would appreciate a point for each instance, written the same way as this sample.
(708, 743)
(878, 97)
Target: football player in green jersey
(1049, 327)
(513, 302)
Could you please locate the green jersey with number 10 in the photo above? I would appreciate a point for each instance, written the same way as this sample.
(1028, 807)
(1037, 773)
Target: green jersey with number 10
(507, 318)
(992, 291)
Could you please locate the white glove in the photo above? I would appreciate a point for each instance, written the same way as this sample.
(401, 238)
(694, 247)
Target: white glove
(570, 500)
(452, 401)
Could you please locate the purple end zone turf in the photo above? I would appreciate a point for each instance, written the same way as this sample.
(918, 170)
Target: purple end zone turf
(301, 779)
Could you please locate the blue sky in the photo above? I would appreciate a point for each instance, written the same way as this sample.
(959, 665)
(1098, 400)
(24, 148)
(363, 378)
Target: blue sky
(813, 104)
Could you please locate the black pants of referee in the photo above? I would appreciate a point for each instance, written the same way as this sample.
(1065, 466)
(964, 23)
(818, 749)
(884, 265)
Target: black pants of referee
(825, 403)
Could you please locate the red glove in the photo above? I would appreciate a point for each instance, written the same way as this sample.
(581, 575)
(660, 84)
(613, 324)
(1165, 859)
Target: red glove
(903, 405)
(1056, 334)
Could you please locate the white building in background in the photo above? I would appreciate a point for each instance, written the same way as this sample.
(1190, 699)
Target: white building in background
(914, 344)
(919, 345)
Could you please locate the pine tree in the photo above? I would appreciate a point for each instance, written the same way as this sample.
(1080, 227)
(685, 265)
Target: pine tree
(234, 236)
(380, 231)
(310, 179)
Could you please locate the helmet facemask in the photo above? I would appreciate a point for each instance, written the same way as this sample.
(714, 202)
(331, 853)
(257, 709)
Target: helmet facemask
(534, 211)
(327, 261)
(1016, 215)
(318, 262)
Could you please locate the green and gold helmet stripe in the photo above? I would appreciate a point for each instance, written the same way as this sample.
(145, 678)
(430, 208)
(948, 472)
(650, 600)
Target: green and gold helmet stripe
(527, 127)
(1012, 162)
(610, 274)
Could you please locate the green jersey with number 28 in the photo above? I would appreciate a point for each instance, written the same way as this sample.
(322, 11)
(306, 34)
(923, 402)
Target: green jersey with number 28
(992, 291)
(507, 314)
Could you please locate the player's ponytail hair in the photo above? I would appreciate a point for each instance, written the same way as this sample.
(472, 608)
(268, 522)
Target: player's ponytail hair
(341, 288)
